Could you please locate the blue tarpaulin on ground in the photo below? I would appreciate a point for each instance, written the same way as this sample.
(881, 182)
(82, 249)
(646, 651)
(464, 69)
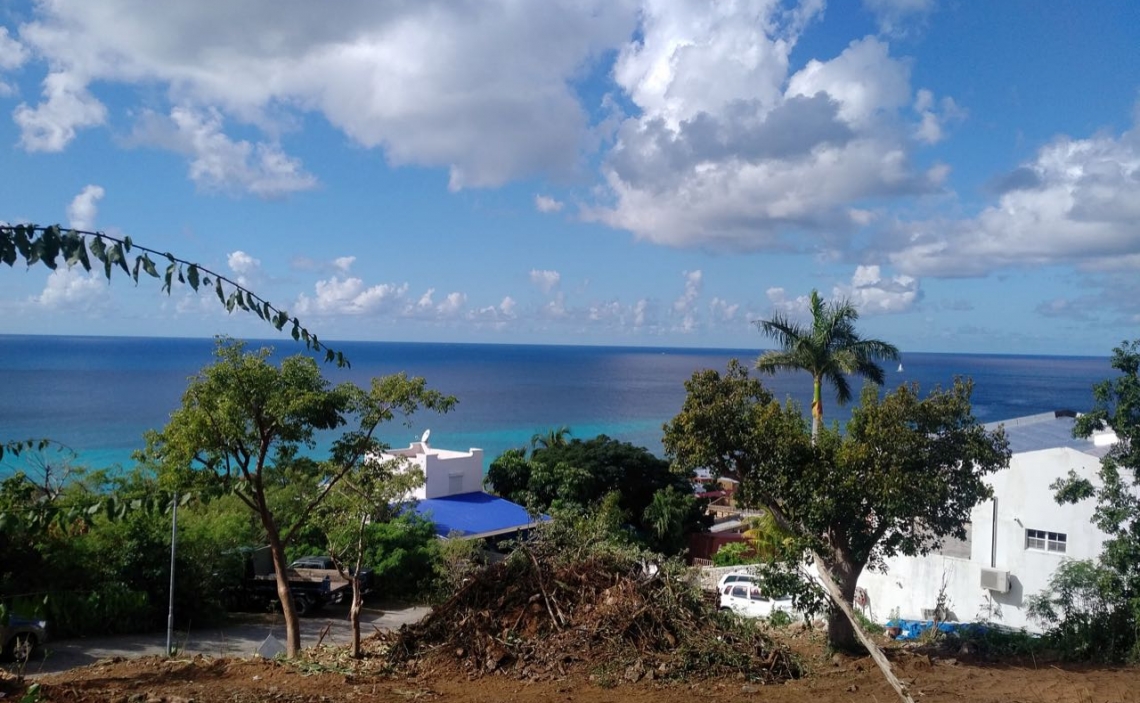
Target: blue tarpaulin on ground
(913, 629)
(478, 513)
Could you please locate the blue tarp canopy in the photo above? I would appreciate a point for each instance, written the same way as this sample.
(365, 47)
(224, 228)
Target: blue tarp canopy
(475, 514)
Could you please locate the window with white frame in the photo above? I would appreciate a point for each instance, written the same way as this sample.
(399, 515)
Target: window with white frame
(1046, 541)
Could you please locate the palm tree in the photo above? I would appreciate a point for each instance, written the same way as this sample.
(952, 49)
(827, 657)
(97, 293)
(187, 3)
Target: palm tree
(829, 349)
(765, 536)
(551, 438)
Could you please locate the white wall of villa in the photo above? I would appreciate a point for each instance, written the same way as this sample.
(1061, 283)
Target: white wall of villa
(1020, 532)
(446, 471)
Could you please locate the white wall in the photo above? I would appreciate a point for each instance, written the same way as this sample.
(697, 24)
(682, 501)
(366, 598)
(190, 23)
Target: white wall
(1024, 501)
(440, 465)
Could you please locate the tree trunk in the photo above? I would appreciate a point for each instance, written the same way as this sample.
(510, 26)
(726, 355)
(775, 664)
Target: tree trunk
(284, 593)
(840, 628)
(816, 408)
(842, 595)
(354, 614)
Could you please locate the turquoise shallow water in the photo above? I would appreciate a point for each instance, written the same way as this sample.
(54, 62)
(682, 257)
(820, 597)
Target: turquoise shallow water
(98, 395)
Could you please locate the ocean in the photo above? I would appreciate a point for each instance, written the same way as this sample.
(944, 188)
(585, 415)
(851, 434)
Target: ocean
(98, 395)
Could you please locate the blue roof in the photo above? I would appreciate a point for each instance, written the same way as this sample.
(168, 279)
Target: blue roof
(1045, 431)
(478, 513)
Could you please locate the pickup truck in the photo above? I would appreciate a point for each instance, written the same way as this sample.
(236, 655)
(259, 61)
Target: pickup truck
(314, 581)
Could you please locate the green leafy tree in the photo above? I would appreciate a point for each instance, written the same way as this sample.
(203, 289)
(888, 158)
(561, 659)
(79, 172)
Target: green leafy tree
(1109, 611)
(404, 555)
(829, 349)
(509, 476)
(904, 476)
(242, 413)
(579, 474)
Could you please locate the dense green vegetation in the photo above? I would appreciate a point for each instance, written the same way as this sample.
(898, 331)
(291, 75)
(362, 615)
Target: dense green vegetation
(68, 555)
(1092, 608)
(903, 476)
(657, 504)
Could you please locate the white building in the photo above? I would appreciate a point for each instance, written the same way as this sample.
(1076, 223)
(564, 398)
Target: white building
(452, 496)
(446, 472)
(1014, 542)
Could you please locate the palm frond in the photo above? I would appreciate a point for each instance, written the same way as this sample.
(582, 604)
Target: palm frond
(842, 387)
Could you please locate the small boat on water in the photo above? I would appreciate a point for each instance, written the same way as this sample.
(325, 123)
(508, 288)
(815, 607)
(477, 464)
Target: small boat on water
(900, 368)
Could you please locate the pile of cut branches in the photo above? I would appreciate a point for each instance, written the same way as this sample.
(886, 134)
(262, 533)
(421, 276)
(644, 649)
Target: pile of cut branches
(549, 611)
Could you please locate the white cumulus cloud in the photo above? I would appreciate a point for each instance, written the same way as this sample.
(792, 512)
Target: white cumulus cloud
(482, 89)
(739, 162)
(242, 263)
(545, 280)
(74, 289)
(1076, 202)
(350, 296)
(84, 207)
(67, 107)
(12, 56)
(873, 294)
(545, 203)
(219, 163)
(684, 307)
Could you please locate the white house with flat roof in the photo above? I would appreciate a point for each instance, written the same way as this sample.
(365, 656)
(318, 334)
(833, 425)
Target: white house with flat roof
(1014, 542)
(446, 471)
(452, 495)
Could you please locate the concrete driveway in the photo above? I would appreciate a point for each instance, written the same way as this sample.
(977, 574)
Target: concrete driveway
(240, 638)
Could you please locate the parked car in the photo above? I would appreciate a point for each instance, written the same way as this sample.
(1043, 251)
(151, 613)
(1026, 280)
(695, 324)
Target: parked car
(735, 577)
(747, 598)
(20, 636)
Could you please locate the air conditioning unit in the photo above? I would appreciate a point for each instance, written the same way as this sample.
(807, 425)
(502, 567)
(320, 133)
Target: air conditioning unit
(995, 580)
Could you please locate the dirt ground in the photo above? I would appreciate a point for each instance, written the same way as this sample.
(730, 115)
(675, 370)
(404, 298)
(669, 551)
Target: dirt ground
(933, 679)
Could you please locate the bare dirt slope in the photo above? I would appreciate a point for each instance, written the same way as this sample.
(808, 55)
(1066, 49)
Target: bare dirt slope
(934, 680)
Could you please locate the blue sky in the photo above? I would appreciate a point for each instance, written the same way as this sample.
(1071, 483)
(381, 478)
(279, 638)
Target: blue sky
(657, 173)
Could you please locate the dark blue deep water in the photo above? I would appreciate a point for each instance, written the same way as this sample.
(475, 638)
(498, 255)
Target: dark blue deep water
(98, 395)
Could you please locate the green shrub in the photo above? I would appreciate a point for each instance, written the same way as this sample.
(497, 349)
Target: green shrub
(403, 555)
(869, 626)
(1089, 613)
(734, 554)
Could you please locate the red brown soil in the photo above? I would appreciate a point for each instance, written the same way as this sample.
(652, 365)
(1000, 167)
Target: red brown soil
(933, 680)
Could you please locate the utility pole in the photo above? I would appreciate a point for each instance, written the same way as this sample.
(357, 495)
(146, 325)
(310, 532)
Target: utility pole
(173, 551)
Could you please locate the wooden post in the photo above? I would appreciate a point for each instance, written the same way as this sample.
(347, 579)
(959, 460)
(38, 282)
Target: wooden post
(876, 653)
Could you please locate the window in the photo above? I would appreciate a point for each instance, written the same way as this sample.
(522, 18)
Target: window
(1047, 541)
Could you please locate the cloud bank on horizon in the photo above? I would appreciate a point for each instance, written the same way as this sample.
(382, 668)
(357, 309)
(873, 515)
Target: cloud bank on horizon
(632, 172)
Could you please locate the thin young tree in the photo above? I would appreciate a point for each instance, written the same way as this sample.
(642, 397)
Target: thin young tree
(242, 418)
(830, 349)
(374, 493)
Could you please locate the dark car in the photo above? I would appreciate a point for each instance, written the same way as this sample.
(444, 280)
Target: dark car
(20, 636)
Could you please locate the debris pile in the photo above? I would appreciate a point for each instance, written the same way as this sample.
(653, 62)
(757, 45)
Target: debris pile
(544, 614)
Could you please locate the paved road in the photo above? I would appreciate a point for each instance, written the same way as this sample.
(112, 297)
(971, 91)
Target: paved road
(238, 639)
